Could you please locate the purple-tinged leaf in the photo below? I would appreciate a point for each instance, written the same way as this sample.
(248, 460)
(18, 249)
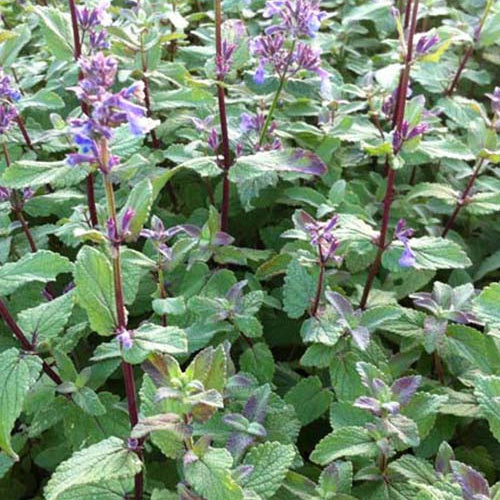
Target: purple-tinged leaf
(444, 457)
(361, 337)
(341, 305)
(369, 404)
(404, 388)
(472, 483)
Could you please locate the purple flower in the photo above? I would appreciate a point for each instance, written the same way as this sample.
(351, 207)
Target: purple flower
(5, 193)
(7, 92)
(321, 235)
(90, 18)
(224, 60)
(7, 115)
(403, 234)
(495, 100)
(98, 40)
(250, 122)
(298, 17)
(425, 44)
(259, 75)
(124, 338)
(213, 140)
(127, 218)
(406, 134)
(202, 125)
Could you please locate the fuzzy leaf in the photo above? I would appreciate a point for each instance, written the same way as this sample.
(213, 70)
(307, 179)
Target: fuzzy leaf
(298, 291)
(41, 266)
(95, 289)
(107, 460)
(270, 462)
(17, 374)
(486, 306)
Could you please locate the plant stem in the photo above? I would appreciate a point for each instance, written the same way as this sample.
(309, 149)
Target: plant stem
(398, 118)
(463, 197)
(221, 97)
(77, 52)
(468, 53)
(270, 114)
(25, 343)
(438, 366)
(319, 287)
(127, 370)
(24, 132)
(161, 288)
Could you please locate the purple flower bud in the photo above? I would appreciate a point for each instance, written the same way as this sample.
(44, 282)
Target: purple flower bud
(28, 193)
(127, 220)
(7, 92)
(202, 125)
(7, 115)
(259, 75)
(224, 60)
(419, 129)
(425, 44)
(4, 194)
(112, 231)
(213, 140)
(407, 258)
(395, 12)
(98, 41)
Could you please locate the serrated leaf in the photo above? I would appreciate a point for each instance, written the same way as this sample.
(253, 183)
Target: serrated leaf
(18, 373)
(56, 31)
(107, 460)
(430, 254)
(270, 462)
(344, 442)
(298, 291)
(95, 289)
(41, 266)
(37, 173)
(155, 338)
(171, 305)
(487, 391)
(258, 360)
(446, 148)
(309, 399)
(486, 306)
(210, 475)
(47, 320)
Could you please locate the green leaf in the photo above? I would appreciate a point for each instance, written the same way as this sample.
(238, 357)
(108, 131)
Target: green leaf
(155, 338)
(47, 320)
(41, 266)
(139, 200)
(298, 291)
(433, 190)
(253, 173)
(18, 373)
(183, 98)
(446, 148)
(95, 289)
(487, 391)
(37, 173)
(377, 317)
(210, 367)
(487, 305)
(102, 462)
(270, 462)
(10, 48)
(42, 100)
(344, 442)
(88, 401)
(56, 29)
(172, 305)
(109, 490)
(430, 253)
(210, 475)
(258, 360)
(309, 399)
(135, 266)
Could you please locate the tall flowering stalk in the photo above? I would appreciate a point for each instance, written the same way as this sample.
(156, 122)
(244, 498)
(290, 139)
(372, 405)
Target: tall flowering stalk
(281, 49)
(470, 50)
(8, 115)
(107, 110)
(401, 133)
(223, 53)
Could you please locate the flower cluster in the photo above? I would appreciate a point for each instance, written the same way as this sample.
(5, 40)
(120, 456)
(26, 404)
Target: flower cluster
(8, 95)
(224, 60)
(407, 134)
(389, 103)
(297, 17)
(321, 236)
(403, 234)
(254, 124)
(271, 51)
(108, 110)
(6, 195)
(90, 19)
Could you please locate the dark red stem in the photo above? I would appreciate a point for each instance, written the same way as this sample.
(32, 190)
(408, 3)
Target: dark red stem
(319, 287)
(399, 114)
(453, 85)
(25, 343)
(463, 198)
(24, 132)
(226, 154)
